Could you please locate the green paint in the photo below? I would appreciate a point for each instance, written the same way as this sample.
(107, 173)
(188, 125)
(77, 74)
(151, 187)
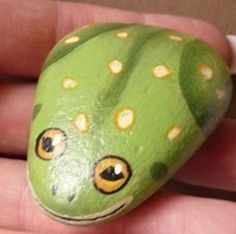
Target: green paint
(172, 117)
(86, 34)
(200, 94)
(159, 170)
(110, 96)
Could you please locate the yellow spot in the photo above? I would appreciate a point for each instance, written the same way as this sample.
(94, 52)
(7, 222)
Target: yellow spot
(122, 34)
(175, 38)
(173, 133)
(115, 66)
(124, 118)
(220, 94)
(81, 122)
(161, 71)
(206, 71)
(72, 39)
(69, 83)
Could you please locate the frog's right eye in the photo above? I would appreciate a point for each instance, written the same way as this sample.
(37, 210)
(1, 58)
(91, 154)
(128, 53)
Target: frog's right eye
(111, 174)
(51, 143)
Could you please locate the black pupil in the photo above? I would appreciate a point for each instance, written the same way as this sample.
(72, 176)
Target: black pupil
(47, 144)
(110, 174)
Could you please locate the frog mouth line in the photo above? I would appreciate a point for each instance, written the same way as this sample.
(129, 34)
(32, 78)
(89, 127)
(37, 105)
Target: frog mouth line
(93, 218)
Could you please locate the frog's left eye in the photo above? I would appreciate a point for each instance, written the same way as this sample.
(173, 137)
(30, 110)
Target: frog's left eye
(111, 174)
(50, 143)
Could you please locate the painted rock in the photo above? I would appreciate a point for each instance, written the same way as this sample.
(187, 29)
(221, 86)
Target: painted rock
(119, 108)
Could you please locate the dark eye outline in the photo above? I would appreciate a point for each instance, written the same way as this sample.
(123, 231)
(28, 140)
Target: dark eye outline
(123, 185)
(40, 136)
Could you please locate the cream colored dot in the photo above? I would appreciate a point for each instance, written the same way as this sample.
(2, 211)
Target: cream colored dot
(81, 122)
(220, 94)
(161, 71)
(118, 169)
(69, 83)
(124, 118)
(72, 39)
(175, 38)
(206, 71)
(173, 133)
(115, 66)
(122, 34)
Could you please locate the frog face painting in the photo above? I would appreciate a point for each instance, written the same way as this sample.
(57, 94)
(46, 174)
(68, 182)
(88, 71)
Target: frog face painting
(119, 109)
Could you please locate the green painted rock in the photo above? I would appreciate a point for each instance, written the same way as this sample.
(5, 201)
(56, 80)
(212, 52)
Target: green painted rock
(119, 108)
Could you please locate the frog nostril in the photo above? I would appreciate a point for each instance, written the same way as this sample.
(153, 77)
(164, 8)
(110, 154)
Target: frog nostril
(70, 197)
(54, 190)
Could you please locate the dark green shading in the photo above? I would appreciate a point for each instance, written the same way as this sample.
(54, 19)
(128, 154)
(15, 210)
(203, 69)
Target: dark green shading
(198, 93)
(159, 170)
(110, 96)
(61, 50)
(36, 110)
